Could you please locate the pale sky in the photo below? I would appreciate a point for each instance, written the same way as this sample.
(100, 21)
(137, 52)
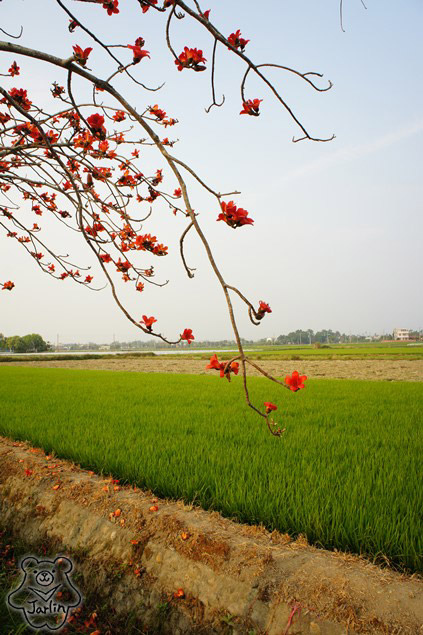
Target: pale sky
(337, 239)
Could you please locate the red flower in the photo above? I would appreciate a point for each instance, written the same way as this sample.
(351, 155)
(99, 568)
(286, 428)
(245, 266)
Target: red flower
(96, 121)
(270, 406)
(263, 308)
(72, 25)
(81, 55)
(89, 279)
(148, 321)
(180, 593)
(191, 58)
(214, 363)
(188, 336)
(295, 381)
(146, 5)
(138, 52)
(177, 193)
(106, 258)
(234, 216)
(157, 112)
(237, 41)
(20, 96)
(118, 116)
(235, 367)
(140, 287)
(220, 366)
(8, 286)
(111, 6)
(14, 69)
(206, 14)
(251, 107)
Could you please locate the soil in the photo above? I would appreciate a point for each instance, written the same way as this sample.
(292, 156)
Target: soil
(186, 570)
(388, 370)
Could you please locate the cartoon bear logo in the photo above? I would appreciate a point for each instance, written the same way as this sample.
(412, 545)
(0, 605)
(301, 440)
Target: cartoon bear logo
(46, 593)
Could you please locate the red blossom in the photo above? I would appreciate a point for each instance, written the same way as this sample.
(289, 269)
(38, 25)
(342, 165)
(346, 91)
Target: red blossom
(72, 25)
(81, 55)
(221, 367)
(96, 122)
(146, 4)
(8, 286)
(191, 58)
(20, 96)
(111, 6)
(148, 321)
(270, 406)
(140, 287)
(118, 116)
(88, 279)
(138, 52)
(177, 193)
(295, 381)
(157, 112)
(251, 107)
(187, 335)
(237, 41)
(214, 363)
(206, 14)
(234, 216)
(262, 310)
(106, 258)
(14, 69)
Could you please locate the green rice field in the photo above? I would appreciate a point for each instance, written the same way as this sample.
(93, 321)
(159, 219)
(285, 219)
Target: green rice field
(347, 473)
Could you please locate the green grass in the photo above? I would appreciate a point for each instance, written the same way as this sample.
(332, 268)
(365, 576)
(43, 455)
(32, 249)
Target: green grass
(347, 473)
(332, 351)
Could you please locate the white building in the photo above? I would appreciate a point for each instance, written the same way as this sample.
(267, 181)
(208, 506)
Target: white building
(401, 334)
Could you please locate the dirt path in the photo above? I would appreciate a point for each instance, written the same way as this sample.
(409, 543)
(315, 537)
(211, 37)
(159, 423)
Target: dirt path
(390, 370)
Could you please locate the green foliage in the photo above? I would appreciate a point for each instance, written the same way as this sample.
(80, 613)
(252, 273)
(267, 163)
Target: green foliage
(32, 343)
(346, 473)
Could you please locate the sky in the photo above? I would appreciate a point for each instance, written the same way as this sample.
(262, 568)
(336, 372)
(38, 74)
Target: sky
(337, 238)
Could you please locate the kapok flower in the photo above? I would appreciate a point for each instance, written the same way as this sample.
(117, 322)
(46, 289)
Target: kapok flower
(148, 321)
(138, 51)
(73, 24)
(14, 70)
(295, 381)
(81, 55)
(88, 279)
(118, 116)
(222, 367)
(177, 193)
(20, 96)
(191, 58)
(234, 216)
(96, 122)
(8, 286)
(251, 107)
(179, 594)
(262, 310)
(206, 14)
(146, 5)
(270, 406)
(111, 6)
(187, 335)
(237, 41)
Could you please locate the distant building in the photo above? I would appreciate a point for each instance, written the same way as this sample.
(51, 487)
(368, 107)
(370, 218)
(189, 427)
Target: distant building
(104, 347)
(401, 334)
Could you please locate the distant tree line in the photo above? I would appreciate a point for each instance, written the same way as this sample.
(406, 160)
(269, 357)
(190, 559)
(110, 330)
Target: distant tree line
(32, 343)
